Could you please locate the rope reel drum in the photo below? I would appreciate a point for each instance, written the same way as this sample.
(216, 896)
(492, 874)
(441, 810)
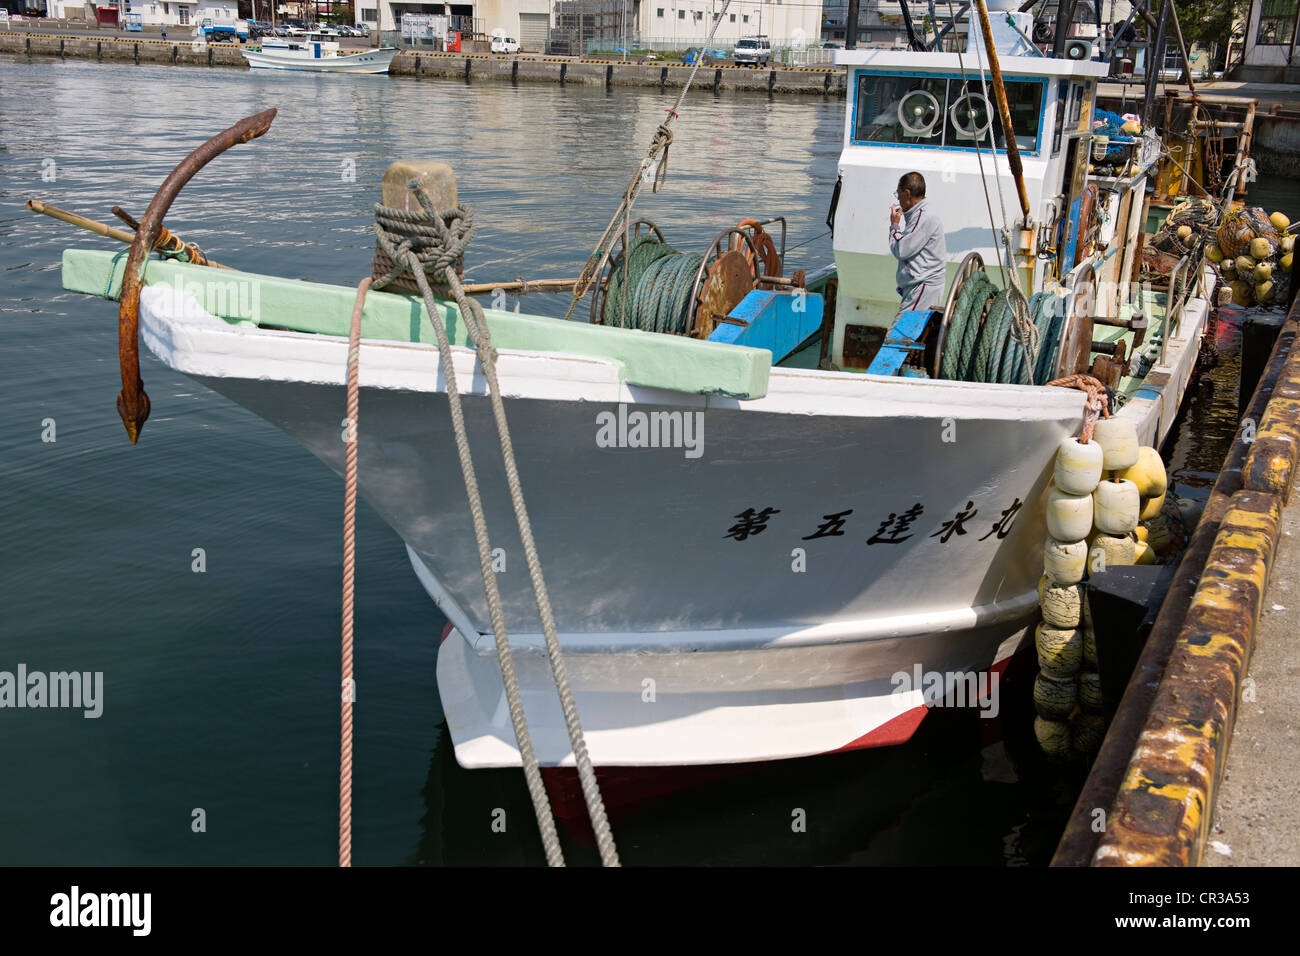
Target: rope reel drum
(1078, 346)
(973, 263)
(976, 342)
(651, 286)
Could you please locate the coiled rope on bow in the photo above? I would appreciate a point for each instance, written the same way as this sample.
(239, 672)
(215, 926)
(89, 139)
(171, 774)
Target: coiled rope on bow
(429, 243)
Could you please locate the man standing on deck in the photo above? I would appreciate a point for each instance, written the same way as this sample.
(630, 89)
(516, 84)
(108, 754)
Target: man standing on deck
(916, 240)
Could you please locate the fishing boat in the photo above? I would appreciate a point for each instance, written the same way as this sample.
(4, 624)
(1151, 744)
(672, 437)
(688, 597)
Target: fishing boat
(760, 494)
(316, 53)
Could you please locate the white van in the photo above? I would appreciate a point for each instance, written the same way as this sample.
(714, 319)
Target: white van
(752, 51)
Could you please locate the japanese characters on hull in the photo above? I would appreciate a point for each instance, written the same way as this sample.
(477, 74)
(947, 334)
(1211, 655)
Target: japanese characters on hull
(895, 528)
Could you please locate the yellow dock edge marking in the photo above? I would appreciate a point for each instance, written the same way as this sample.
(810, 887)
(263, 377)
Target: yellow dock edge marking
(1160, 816)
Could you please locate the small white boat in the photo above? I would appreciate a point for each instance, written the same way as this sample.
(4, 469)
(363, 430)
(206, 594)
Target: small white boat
(316, 54)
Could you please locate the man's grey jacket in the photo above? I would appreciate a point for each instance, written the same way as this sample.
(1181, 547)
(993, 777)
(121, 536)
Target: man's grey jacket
(918, 243)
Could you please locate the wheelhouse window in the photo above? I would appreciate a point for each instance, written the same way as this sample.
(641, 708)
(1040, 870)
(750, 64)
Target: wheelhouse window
(942, 112)
(1276, 22)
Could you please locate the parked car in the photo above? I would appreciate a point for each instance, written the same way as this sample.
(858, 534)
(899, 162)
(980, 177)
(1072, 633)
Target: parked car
(502, 44)
(362, 30)
(752, 51)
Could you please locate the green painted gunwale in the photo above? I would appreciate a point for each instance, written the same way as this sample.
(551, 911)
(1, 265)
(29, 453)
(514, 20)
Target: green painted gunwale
(643, 358)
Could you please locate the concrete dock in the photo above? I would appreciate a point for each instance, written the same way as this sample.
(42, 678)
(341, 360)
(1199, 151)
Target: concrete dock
(1256, 821)
(1203, 756)
(521, 68)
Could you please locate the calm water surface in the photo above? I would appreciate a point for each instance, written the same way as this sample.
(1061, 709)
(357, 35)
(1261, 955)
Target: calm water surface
(221, 687)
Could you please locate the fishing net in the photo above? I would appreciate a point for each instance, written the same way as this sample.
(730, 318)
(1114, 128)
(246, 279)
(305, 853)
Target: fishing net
(1240, 226)
(1200, 216)
(1157, 264)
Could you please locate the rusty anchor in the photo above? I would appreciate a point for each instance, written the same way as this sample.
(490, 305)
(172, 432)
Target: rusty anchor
(132, 401)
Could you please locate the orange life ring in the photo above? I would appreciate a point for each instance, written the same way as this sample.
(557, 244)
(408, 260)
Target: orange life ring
(766, 248)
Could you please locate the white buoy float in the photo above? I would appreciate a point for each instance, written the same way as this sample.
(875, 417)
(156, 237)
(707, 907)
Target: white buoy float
(1078, 466)
(1119, 443)
(1093, 522)
(1116, 506)
(1069, 516)
(1064, 562)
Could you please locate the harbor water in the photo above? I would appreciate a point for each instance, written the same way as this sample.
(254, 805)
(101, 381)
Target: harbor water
(200, 570)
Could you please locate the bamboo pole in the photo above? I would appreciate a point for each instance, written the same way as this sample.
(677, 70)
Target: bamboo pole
(72, 219)
(121, 235)
(522, 286)
(1004, 110)
(166, 239)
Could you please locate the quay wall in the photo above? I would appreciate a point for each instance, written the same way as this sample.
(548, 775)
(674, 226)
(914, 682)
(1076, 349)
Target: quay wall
(1155, 781)
(470, 66)
(1276, 144)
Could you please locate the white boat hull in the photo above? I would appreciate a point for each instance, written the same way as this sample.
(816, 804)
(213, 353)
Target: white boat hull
(687, 641)
(369, 61)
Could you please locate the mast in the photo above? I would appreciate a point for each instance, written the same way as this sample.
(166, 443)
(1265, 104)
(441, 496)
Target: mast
(1004, 110)
(1155, 61)
(1182, 48)
(851, 26)
(1064, 17)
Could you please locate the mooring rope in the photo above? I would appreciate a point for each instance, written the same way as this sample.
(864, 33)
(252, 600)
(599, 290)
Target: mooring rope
(1095, 405)
(348, 691)
(428, 243)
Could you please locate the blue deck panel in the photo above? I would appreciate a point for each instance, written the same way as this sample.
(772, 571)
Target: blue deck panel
(899, 343)
(779, 321)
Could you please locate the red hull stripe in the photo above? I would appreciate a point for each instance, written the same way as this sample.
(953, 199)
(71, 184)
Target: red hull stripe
(896, 730)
